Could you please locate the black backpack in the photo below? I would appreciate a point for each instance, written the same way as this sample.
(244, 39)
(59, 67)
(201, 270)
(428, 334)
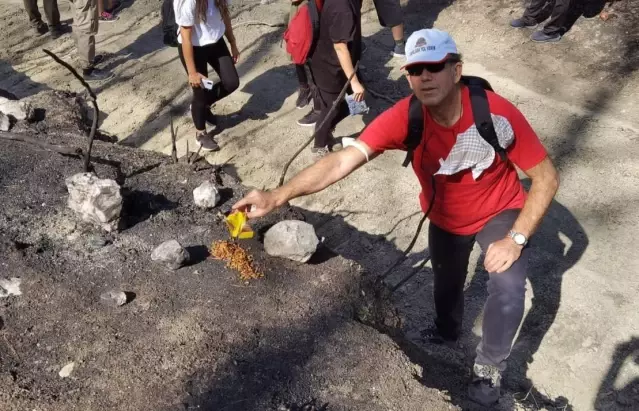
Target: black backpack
(481, 114)
(169, 26)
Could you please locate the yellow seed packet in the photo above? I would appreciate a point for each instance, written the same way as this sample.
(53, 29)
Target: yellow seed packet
(238, 226)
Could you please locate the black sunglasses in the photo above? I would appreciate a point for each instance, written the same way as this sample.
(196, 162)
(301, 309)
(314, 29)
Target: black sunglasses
(418, 69)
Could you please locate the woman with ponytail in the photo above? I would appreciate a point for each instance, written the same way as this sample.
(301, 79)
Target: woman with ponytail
(203, 23)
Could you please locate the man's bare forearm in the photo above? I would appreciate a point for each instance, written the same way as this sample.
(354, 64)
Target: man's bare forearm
(320, 175)
(545, 182)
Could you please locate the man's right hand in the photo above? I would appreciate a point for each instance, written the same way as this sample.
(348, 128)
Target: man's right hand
(358, 90)
(257, 203)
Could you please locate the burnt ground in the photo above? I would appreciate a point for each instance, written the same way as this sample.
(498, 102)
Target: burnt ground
(195, 338)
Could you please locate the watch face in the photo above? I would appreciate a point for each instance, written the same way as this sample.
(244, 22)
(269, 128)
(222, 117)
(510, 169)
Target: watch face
(519, 239)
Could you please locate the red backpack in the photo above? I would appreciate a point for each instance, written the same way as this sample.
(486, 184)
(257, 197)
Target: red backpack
(303, 30)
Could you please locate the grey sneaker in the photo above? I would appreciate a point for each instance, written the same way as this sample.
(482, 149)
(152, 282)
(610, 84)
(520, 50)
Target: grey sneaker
(399, 50)
(206, 142)
(320, 151)
(541, 37)
(485, 385)
(41, 29)
(304, 97)
(522, 24)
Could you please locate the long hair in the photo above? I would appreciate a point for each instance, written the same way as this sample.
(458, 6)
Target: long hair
(201, 7)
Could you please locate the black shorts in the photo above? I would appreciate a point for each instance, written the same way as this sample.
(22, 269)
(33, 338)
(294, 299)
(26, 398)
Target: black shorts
(389, 12)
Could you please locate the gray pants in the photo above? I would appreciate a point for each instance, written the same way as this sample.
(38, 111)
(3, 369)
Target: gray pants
(504, 307)
(85, 28)
(50, 11)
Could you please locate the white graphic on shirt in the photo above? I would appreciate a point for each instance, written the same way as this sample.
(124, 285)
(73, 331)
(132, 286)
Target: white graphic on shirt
(471, 151)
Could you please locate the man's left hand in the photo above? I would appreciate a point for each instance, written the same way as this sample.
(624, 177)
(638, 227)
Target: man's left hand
(501, 255)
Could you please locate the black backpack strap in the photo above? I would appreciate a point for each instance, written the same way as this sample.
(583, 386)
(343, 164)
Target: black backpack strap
(415, 128)
(481, 112)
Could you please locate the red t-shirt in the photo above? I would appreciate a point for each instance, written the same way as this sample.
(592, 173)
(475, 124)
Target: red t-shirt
(463, 204)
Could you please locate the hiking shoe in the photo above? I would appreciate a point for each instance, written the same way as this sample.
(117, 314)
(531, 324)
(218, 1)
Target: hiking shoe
(106, 17)
(485, 385)
(41, 29)
(521, 24)
(310, 119)
(94, 74)
(399, 50)
(541, 37)
(303, 97)
(432, 335)
(206, 142)
(97, 59)
(320, 152)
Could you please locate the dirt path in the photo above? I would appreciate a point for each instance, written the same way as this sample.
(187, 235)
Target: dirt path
(579, 94)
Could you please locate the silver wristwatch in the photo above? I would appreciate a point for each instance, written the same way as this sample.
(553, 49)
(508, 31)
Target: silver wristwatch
(518, 238)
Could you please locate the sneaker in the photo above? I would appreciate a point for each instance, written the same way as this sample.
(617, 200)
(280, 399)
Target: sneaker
(320, 152)
(304, 97)
(106, 17)
(94, 74)
(541, 37)
(399, 50)
(206, 142)
(521, 24)
(434, 336)
(485, 385)
(335, 146)
(310, 119)
(41, 29)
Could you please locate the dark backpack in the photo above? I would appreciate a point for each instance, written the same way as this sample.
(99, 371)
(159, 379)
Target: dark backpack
(169, 26)
(303, 30)
(481, 114)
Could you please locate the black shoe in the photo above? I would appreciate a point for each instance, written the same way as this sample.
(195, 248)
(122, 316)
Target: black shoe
(56, 31)
(485, 385)
(434, 336)
(41, 29)
(310, 119)
(97, 59)
(94, 74)
(303, 97)
(541, 37)
(521, 24)
(206, 142)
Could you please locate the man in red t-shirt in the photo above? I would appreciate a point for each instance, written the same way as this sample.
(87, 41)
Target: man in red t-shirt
(478, 196)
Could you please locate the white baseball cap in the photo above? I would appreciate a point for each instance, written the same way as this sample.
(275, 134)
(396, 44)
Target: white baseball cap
(429, 46)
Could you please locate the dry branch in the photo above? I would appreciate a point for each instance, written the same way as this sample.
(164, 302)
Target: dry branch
(328, 116)
(65, 150)
(173, 147)
(257, 23)
(92, 99)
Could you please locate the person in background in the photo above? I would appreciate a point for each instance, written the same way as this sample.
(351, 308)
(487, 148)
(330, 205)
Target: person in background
(389, 13)
(202, 26)
(333, 60)
(537, 12)
(51, 12)
(85, 28)
(107, 8)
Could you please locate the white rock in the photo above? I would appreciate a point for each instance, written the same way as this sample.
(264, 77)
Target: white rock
(5, 123)
(295, 240)
(21, 110)
(206, 195)
(94, 200)
(171, 253)
(10, 287)
(116, 298)
(67, 370)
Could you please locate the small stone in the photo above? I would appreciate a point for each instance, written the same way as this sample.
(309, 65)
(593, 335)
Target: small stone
(5, 123)
(10, 287)
(66, 370)
(171, 253)
(96, 241)
(295, 240)
(96, 201)
(114, 298)
(20, 110)
(206, 195)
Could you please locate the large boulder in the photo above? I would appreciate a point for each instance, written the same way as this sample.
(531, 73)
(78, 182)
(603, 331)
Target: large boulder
(206, 195)
(5, 122)
(21, 110)
(295, 240)
(171, 254)
(96, 201)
